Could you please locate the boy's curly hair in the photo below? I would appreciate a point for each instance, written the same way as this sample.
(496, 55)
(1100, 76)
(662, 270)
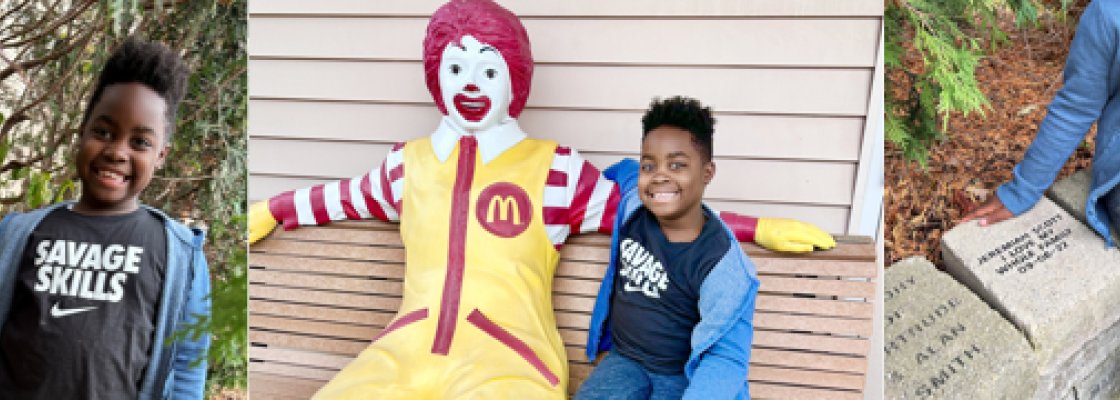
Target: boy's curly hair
(152, 64)
(683, 113)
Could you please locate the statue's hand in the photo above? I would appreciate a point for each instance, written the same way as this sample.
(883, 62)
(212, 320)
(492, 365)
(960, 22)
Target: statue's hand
(261, 221)
(791, 236)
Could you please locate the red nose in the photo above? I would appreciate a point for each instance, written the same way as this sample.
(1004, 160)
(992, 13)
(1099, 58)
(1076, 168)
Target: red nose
(471, 88)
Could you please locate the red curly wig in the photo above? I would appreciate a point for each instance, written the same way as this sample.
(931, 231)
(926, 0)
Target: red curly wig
(489, 23)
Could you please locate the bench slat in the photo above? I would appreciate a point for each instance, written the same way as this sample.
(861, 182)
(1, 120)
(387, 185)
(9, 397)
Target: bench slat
(330, 250)
(815, 342)
(820, 361)
(847, 269)
(564, 319)
(284, 339)
(861, 327)
(774, 391)
(377, 302)
(562, 302)
(774, 377)
(839, 308)
(371, 318)
(760, 373)
(294, 371)
(831, 287)
(273, 318)
(327, 282)
(781, 284)
(263, 385)
(349, 331)
(300, 357)
(343, 267)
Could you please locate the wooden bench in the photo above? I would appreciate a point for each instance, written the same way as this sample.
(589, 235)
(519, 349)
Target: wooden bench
(318, 295)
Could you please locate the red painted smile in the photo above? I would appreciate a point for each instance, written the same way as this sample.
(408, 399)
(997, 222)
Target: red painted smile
(472, 109)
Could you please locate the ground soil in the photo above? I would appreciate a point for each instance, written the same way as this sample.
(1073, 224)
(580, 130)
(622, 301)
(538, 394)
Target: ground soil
(980, 151)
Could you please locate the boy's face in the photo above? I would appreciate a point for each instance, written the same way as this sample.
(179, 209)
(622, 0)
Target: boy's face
(476, 85)
(673, 174)
(121, 145)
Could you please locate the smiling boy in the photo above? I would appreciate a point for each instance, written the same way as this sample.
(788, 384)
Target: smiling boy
(90, 292)
(677, 301)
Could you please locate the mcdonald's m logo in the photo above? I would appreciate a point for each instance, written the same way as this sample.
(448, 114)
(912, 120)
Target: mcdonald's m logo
(503, 204)
(504, 209)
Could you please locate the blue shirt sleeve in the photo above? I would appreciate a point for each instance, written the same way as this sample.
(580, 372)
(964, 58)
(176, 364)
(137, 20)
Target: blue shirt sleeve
(1077, 105)
(190, 376)
(727, 304)
(722, 370)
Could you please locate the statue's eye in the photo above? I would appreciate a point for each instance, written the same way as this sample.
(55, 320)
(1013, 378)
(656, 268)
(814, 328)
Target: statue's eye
(455, 68)
(491, 73)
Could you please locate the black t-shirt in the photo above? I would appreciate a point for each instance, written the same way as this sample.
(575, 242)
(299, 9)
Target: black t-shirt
(657, 289)
(83, 313)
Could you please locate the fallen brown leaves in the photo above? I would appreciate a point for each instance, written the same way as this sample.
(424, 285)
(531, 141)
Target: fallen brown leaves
(981, 150)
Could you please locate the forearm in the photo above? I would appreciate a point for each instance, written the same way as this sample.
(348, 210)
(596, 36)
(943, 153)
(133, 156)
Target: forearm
(744, 227)
(358, 198)
(1074, 110)
(1059, 135)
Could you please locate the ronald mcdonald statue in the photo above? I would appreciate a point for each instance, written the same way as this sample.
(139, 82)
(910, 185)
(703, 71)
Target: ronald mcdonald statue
(483, 210)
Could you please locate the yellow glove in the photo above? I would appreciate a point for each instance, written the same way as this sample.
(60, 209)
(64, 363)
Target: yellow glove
(261, 221)
(791, 236)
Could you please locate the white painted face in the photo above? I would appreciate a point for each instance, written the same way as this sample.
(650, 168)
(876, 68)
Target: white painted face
(475, 84)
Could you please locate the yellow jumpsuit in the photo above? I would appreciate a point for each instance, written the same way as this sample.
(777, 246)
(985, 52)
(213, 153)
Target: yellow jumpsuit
(476, 320)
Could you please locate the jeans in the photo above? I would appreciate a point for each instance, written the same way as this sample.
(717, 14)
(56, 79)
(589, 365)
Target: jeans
(620, 378)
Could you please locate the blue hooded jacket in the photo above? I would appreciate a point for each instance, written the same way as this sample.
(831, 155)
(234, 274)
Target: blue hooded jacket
(1091, 92)
(721, 342)
(185, 297)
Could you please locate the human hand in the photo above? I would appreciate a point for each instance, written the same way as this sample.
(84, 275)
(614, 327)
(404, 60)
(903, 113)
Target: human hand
(791, 236)
(991, 212)
(261, 221)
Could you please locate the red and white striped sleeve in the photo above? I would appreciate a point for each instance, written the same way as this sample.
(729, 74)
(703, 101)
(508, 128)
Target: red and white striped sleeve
(577, 198)
(376, 194)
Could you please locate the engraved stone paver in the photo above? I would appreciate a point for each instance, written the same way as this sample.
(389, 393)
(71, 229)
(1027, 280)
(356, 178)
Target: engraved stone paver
(1046, 272)
(942, 341)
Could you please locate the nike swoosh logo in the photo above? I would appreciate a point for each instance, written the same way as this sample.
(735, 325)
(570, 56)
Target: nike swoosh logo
(56, 312)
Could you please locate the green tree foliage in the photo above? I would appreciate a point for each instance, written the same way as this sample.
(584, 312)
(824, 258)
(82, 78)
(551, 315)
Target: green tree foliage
(50, 54)
(950, 38)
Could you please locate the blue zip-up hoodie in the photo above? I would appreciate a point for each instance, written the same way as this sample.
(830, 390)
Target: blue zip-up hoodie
(185, 296)
(721, 342)
(1091, 92)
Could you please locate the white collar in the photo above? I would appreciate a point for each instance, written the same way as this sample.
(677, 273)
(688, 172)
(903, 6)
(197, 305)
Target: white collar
(491, 142)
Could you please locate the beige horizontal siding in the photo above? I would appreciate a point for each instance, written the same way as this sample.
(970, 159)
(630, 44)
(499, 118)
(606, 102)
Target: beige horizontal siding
(533, 8)
(768, 91)
(334, 83)
(766, 42)
(770, 137)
